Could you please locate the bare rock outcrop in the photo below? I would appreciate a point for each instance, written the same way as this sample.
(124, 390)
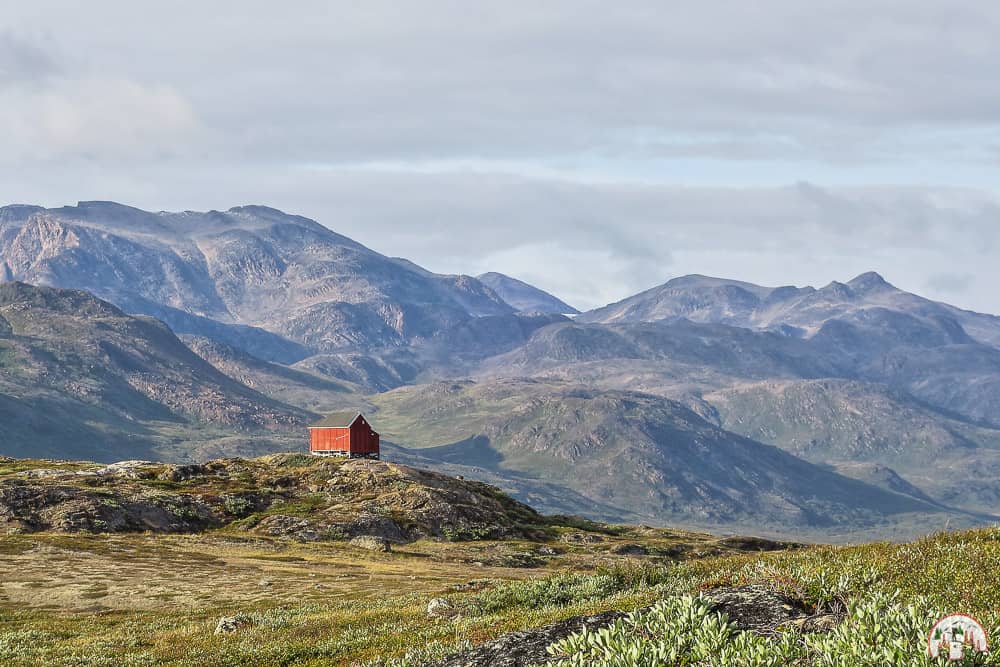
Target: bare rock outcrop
(372, 543)
(293, 496)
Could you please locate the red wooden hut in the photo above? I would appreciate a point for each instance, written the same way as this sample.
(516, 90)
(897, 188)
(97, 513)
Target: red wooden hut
(344, 434)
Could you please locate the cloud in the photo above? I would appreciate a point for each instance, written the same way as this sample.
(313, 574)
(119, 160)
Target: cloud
(594, 149)
(22, 59)
(353, 82)
(100, 119)
(594, 243)
(953, 283)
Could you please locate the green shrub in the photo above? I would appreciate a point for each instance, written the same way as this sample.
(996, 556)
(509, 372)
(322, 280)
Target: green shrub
(555, 591)
(879, 631)
(423, 656)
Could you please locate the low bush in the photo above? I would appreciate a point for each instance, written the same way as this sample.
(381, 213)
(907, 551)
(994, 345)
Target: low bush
(879, 631)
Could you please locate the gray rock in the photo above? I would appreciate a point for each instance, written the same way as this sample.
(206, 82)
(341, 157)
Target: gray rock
(630, 550)
(580, 538)
(441, 608)
(372, 543)
(757, 608)
(230, 624)
(283, 525)
(129, 469)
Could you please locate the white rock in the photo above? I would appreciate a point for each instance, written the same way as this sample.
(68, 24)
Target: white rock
(440, 608)
(230, 624)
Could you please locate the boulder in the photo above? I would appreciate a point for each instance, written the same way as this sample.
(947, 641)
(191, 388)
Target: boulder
(757, 608)
(580, 538)
(283, 525)
(372, 543)
(630, 550)
(230, 624)
(130, 469)
(181, 473)
(441, 608)
(368, 523)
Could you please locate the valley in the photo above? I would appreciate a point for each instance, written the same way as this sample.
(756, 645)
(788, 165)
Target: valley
(847, 412)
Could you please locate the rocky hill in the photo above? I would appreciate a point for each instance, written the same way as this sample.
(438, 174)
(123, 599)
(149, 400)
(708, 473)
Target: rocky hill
(82, 378)
(292, 495)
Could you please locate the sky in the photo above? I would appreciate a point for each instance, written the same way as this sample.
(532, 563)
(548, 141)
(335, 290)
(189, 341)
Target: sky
(594, 149)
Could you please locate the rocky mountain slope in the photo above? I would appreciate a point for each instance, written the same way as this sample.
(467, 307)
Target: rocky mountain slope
(315, 392)
(524, 297)
(799, 311)
(248, 266)
(78, 377)
(848, 423)
(933, 360)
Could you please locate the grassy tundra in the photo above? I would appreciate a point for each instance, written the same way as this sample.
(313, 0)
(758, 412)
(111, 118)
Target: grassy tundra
(93, 598)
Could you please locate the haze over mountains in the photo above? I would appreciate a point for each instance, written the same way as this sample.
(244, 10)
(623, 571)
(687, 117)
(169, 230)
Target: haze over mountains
(855, 408)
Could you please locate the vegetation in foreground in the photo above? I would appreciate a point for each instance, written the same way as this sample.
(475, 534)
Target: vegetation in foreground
(80, 591)
(890, 595)
(322, 561)
(151, 600)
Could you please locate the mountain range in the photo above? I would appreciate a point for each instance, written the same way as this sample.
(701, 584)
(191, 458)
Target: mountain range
(852, 409)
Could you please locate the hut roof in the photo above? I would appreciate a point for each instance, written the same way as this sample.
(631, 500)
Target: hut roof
(341, 419)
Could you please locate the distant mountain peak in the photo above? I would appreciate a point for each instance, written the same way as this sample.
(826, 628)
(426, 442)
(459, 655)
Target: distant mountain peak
(525, 297)
(256, 208)
(701, 280)
(18, 211)
(104, 203)
(838, 288)
(869, 281)
(249, 266)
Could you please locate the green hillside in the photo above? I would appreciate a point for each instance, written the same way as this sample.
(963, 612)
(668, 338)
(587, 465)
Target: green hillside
(651, 455)
(80, 378)
(842, 422)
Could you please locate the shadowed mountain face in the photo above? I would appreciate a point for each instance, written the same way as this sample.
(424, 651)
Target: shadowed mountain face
(249, 266)
(80, 378)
